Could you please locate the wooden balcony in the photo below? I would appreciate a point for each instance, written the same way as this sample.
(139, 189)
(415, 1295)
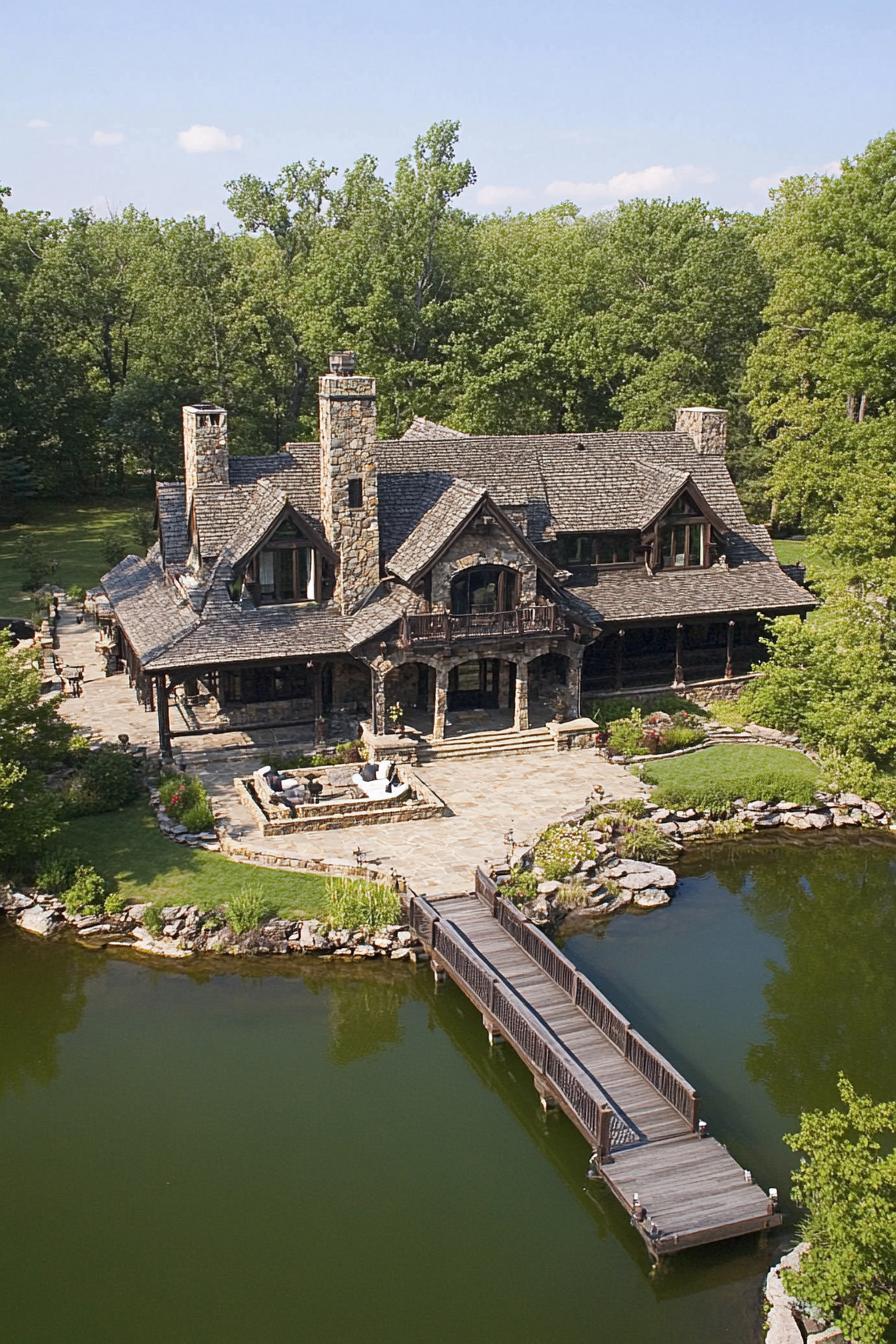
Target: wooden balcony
(440, 627)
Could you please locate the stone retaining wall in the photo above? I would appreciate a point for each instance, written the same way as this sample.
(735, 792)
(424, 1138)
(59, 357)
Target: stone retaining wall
(187, 931)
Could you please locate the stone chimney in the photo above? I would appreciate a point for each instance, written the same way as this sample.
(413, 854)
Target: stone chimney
(206, 460)
(707, 426)
(348, 477)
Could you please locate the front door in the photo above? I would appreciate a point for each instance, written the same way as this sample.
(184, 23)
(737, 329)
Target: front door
(474, 685)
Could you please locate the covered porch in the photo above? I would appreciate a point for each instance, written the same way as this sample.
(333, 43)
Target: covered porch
(671, 653)
(443, 696)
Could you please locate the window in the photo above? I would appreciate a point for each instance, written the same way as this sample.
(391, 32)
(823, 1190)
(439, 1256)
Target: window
(355, 493)
(683, 545)
(592, 548)
(285, 569)
(484, 588)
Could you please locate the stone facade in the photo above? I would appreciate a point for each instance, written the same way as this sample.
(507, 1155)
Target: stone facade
(348, 463)
(474, 547)
(206, 457)
(706, 425)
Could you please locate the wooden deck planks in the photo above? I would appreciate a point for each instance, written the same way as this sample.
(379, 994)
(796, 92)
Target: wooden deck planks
(693, 1190)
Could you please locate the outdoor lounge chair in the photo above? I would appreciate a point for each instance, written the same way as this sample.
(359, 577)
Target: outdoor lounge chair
(380, 787)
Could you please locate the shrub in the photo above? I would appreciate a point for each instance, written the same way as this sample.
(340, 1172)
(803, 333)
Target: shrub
(679, 736)
(627, 735)
(86, 895)
(152, 920)
(186, 801)
(560, 848)
(246, 909)
(76, 593)
(521, 886)
(115, 903)
(57, 871)
(367, 906)
(630, 807)
(345, 753)
(574, 894)
(645, 841)
(105, 780)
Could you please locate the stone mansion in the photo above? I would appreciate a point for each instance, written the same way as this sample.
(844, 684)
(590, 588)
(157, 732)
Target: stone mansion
(439, 576)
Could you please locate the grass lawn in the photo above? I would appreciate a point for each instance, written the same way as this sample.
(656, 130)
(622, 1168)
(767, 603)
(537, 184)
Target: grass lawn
(71, 532)
(665, 702)
(129, 850)
(732, 771)
(791, 552)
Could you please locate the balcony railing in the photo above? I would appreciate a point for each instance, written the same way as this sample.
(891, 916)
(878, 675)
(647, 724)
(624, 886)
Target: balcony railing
(440, 627)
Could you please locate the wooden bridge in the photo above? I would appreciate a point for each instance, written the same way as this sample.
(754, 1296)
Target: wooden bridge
(681, 1187)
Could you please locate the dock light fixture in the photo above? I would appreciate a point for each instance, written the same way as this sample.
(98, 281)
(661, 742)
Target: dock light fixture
(701, 1129)
(748, 1177)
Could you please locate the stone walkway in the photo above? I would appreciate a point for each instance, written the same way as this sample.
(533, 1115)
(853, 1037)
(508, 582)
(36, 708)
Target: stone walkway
(486, 798)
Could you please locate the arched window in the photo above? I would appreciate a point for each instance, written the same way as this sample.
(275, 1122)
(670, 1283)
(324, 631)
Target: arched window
(484, 588)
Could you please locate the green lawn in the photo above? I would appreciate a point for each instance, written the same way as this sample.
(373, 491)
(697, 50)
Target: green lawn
(620, 706)
(791, 552)
(129, 850)
(733, 770)
(71, 532)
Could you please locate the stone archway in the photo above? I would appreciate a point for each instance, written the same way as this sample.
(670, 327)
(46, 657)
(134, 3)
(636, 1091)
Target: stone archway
(410, 691)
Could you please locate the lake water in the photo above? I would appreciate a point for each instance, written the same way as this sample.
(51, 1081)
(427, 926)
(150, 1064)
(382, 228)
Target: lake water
(264, 1152)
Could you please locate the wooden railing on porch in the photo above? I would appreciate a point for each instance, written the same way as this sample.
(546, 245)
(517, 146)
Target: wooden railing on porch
(441, 627)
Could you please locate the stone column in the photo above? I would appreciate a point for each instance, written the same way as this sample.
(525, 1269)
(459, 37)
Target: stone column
(620, 650)
(503, 684)
(574, 682)
(378, 702)
(521, 698)
(441, 705)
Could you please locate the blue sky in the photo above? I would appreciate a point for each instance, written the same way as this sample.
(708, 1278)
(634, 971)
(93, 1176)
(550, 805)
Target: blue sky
(103, 104)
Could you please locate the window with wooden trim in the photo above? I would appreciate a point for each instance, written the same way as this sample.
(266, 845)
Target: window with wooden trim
(684, 536)
(285, 569)
(577, 549)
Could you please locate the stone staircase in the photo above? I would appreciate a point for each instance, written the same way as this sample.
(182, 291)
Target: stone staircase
(500, 742)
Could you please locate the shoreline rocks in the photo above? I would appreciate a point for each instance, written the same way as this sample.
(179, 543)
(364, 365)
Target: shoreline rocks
(789, 1321)
(187, 931)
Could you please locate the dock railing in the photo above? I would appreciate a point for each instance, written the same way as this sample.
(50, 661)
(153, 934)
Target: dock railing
(549, 1059)
(606, 1017)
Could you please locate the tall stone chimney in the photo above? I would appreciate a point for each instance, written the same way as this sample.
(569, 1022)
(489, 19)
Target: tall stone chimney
(206, 460)
(348, 477)
(707, 426)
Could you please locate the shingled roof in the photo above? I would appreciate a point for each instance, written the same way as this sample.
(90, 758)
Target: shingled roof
(421, 428)
(436, 528)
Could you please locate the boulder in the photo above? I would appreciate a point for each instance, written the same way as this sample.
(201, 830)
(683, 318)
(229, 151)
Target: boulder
(636, 876)
(548, 888)
(16, 900)
(649, 897)
(757, 805)
(796, 821)
(849, 800)
(400, 954)
(844, 819)
(819, 820)
(782, 1327)
(36, 920)
(874, 810)
(766, 822)
(689, 828)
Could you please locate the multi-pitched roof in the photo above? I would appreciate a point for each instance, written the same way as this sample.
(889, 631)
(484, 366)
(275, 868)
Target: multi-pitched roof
(430, 481)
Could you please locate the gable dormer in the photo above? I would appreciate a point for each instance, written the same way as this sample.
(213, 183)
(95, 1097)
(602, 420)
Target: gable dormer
(289, 562)
(687, 533)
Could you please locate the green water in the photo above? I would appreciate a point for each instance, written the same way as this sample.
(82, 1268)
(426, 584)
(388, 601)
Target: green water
(302, 1153)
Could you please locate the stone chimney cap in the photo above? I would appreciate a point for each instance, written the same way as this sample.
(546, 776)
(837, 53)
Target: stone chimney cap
(343, 361)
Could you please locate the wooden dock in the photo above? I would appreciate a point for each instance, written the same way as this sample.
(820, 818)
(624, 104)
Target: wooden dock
(681, 1187)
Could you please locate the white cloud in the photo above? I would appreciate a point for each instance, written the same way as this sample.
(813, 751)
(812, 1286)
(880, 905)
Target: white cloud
(104, 138)
(37, 124)
(494, 197)
(658, 180)
(765, 184)
(207, 140)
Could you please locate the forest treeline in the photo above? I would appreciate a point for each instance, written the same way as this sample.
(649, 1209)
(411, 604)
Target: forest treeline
(554, 320)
